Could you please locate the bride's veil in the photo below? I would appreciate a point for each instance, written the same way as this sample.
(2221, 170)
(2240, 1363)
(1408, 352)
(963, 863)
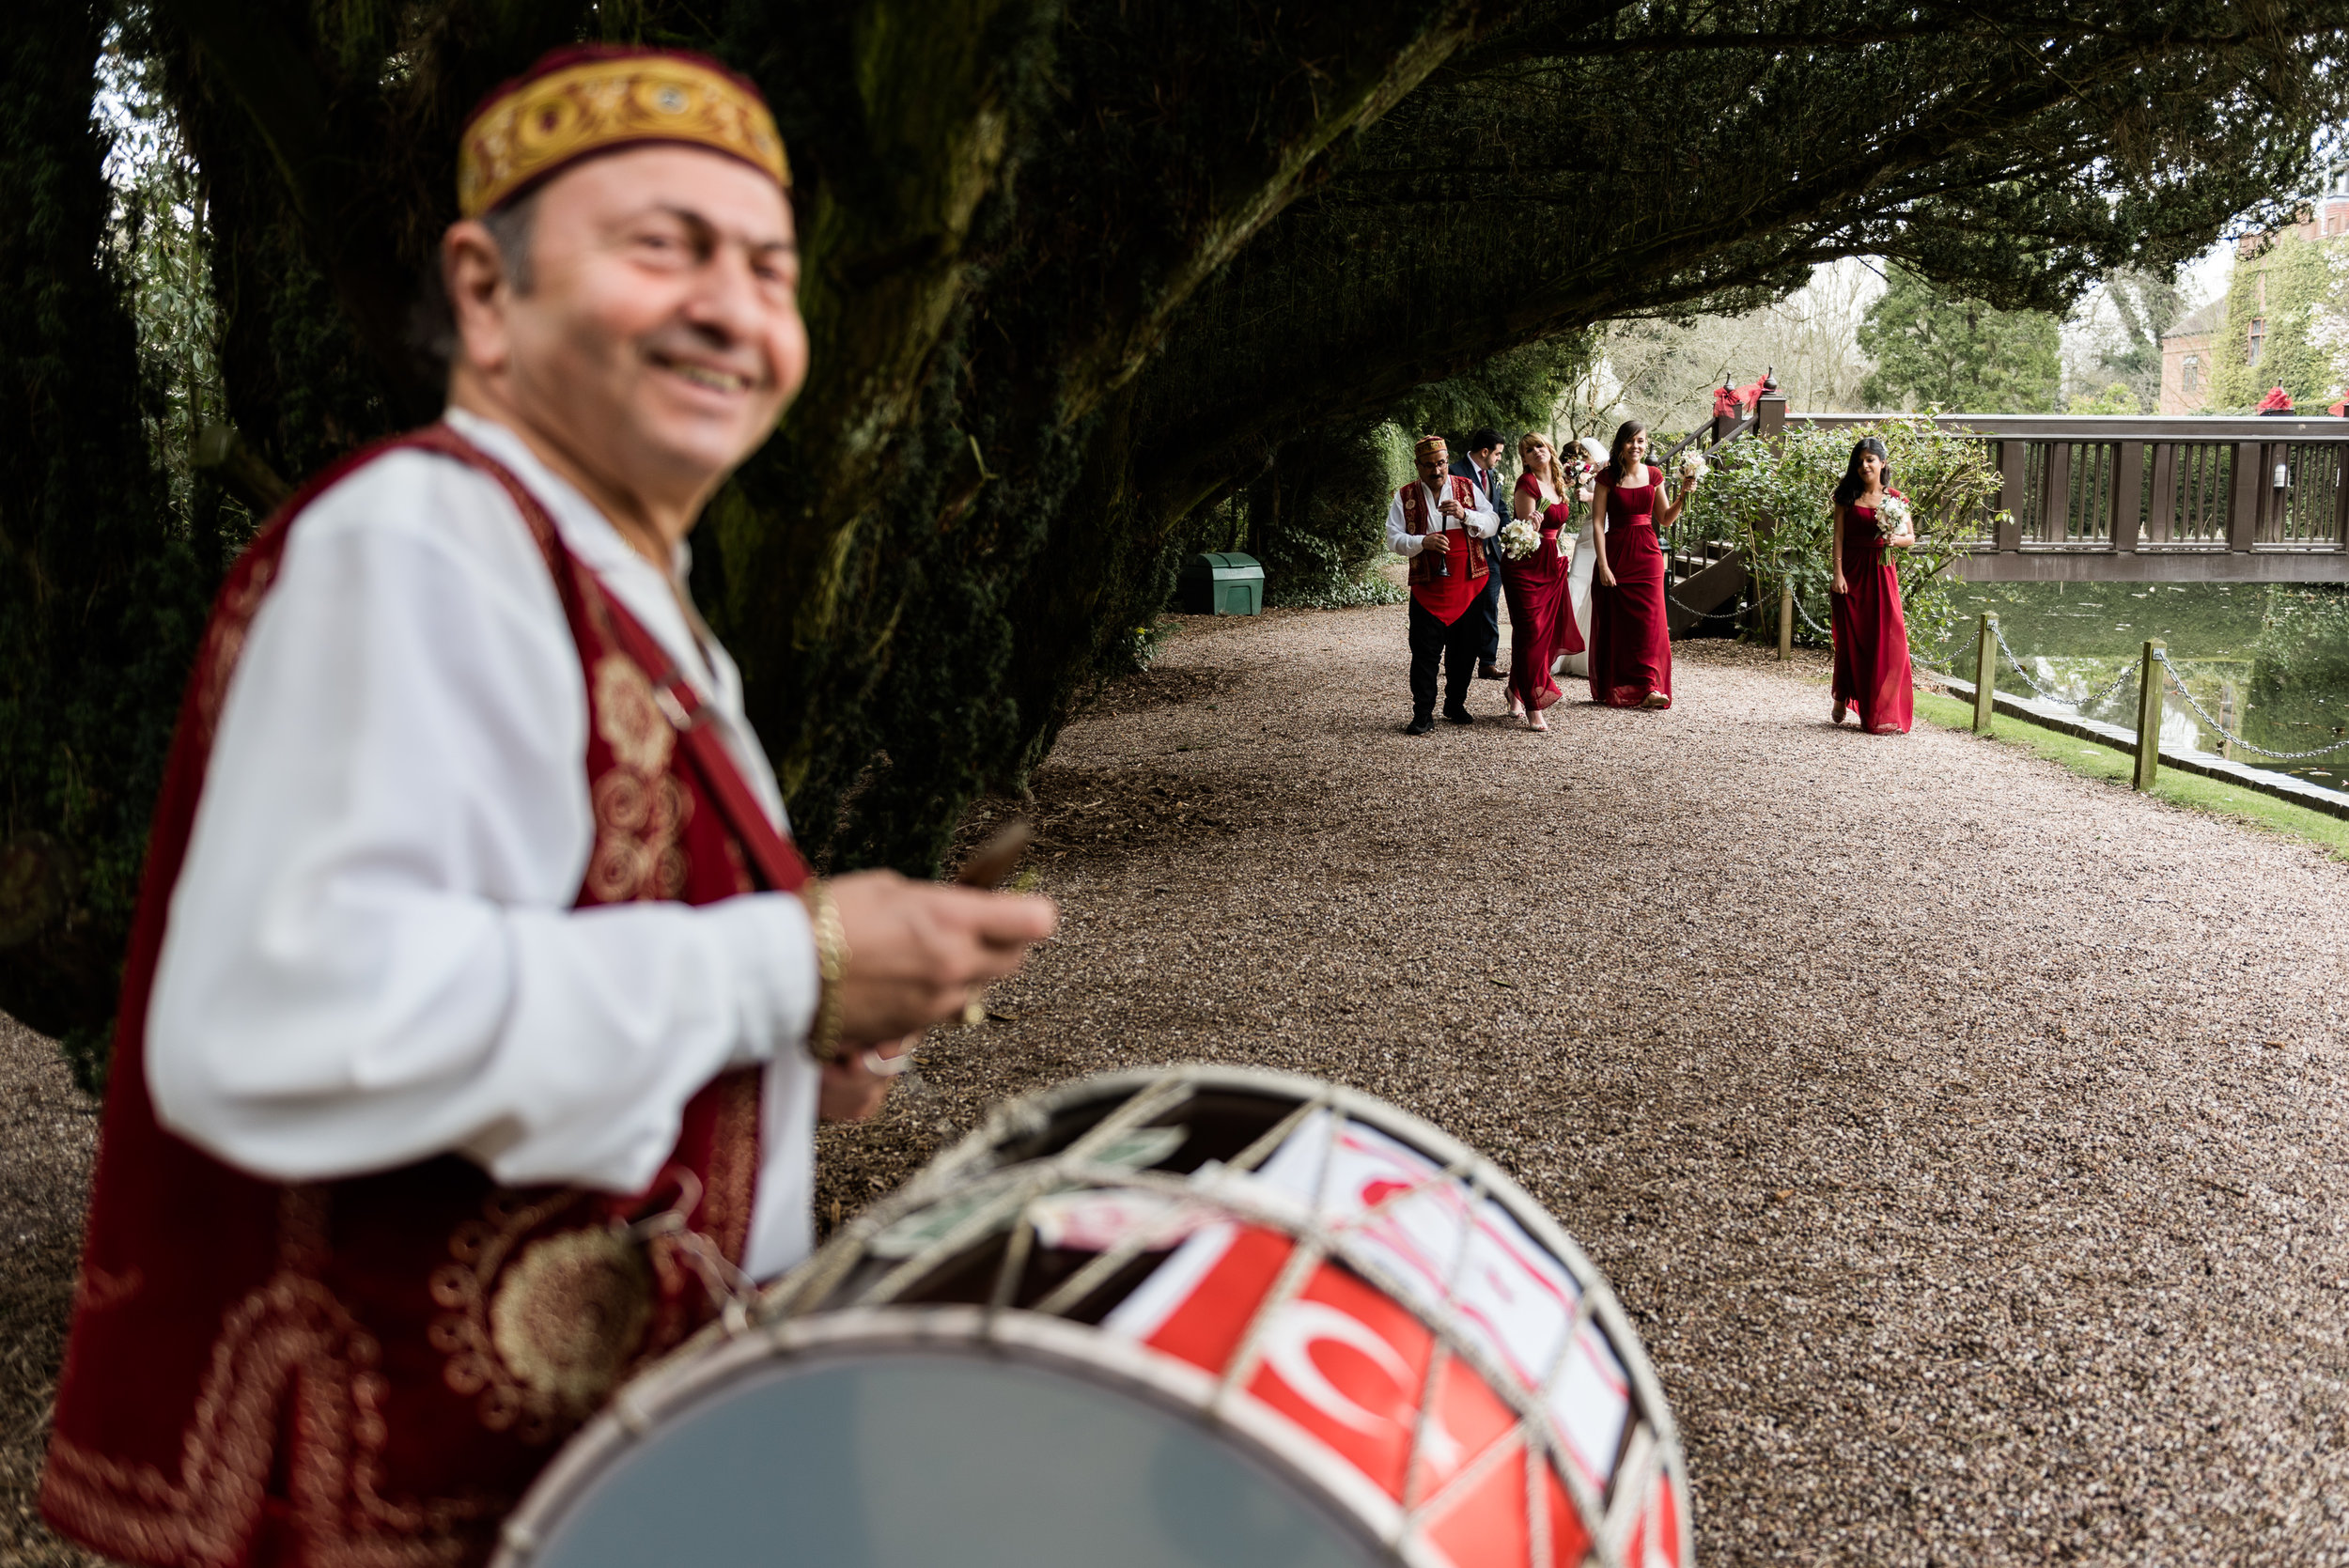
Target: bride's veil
(1579, 576)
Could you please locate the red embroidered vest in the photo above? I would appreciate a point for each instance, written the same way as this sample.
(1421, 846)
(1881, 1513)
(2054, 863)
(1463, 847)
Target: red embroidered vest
(373, 1370)
(1427, 565)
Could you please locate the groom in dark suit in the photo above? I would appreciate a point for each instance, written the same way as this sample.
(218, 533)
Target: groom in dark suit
(1477, 468)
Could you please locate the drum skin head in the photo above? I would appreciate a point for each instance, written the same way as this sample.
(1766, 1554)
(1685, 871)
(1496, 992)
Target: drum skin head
(907, 1458)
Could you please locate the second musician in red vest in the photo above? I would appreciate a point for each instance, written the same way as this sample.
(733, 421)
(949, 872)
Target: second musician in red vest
(1442, 521)
(1631, 652)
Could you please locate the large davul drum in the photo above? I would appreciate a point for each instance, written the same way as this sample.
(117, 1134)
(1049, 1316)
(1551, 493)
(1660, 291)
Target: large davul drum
(1183, 1317)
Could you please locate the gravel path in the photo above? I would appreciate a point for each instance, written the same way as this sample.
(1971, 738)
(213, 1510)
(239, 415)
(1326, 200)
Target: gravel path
(1964, 1134)
(48, 1136)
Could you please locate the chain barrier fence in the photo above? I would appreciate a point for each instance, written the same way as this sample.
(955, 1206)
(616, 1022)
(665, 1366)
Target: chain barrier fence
(2174, 679)
(1670, 541)
(2178, 680)
(1730, 613)
(1827, 633)
(2083, 704)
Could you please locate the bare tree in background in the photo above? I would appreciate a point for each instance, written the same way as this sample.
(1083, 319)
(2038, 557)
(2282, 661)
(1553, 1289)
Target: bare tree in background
(2113, 339)
(1665, 372)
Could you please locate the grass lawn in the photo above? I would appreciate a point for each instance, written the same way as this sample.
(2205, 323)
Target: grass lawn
(2115, 766)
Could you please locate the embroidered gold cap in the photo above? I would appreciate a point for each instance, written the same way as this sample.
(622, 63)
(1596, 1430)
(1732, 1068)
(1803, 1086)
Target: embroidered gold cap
(590, 99)
(1431, 446)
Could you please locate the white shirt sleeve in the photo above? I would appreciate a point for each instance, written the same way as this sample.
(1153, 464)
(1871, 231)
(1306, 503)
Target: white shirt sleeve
(1482, 521)
(371, 955)
(1398, 539)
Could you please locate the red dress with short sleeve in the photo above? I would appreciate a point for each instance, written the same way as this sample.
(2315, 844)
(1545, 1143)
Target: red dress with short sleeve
(1541, 615)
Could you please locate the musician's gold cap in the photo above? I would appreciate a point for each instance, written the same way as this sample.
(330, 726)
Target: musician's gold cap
(591, 99)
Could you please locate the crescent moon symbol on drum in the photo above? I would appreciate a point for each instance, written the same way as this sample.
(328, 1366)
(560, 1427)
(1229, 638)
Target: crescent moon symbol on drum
(1289, 1350)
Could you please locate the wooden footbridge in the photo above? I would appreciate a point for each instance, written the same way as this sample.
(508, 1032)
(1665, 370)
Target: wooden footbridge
(2104, 499)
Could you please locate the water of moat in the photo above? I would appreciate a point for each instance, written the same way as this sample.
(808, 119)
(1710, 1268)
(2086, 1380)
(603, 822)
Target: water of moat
(2269, 661)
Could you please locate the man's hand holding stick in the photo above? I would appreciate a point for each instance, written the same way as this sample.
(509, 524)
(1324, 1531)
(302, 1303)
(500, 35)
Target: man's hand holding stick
(921, 953)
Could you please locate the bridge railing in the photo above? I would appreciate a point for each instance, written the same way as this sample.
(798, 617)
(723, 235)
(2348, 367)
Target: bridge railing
(2119, 496)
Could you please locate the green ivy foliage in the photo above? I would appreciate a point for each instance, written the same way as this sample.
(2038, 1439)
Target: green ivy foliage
(1933, 347)
(2297, 279)
(1772, 498)
(1316, 519)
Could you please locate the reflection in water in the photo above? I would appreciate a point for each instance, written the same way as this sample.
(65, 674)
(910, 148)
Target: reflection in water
(2268, 661)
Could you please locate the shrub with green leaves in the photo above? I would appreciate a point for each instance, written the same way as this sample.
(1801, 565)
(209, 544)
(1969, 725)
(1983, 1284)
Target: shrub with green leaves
(1773, 499)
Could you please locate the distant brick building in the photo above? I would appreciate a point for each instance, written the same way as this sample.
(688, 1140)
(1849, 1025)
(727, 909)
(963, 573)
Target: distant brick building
(2236, 348)
(2185, 362)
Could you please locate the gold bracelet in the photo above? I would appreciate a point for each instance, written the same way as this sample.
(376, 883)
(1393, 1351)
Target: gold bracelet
(831, 964)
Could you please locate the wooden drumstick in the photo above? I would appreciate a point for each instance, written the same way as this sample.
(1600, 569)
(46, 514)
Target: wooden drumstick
(990, 865)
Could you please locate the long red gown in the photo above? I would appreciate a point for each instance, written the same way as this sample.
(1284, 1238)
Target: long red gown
(1631, 649)
(1541, 615)
(1871, 636)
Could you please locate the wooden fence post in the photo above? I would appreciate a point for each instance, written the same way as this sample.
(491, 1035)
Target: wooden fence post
(2149, 715)
(1785, 618)
(1986, 672)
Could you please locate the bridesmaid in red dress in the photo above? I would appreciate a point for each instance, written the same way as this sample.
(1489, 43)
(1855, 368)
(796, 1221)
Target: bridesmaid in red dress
(1871, 637)
(1541, 614)
(1631, 650)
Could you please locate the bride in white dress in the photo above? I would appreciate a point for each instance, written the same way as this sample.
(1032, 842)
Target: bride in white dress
(1586, 561)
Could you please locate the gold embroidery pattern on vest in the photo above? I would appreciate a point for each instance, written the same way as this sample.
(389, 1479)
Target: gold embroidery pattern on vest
(464, 1289)
(570, 1313)
(733, 1177)
(219, 659)
(641, 809)
(638, 820)
(631, 723)
(291, 1343)
(95, 1289)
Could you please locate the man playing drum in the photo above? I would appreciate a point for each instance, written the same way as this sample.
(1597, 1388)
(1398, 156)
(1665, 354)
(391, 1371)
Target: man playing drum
(479, 1014)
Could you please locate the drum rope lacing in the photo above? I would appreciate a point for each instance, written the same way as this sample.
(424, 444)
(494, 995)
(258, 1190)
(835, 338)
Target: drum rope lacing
(734, 1293)
(1315, 1240)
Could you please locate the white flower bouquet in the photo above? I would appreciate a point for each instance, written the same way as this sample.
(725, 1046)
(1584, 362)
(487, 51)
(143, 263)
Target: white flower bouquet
(1692, 468)
(1893, 518)
(1520, 538)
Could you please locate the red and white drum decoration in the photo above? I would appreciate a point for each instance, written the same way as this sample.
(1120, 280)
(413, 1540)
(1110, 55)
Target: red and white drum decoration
(1282, 1322)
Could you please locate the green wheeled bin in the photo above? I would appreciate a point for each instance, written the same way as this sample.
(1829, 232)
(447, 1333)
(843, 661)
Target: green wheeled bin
(1222, 583)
